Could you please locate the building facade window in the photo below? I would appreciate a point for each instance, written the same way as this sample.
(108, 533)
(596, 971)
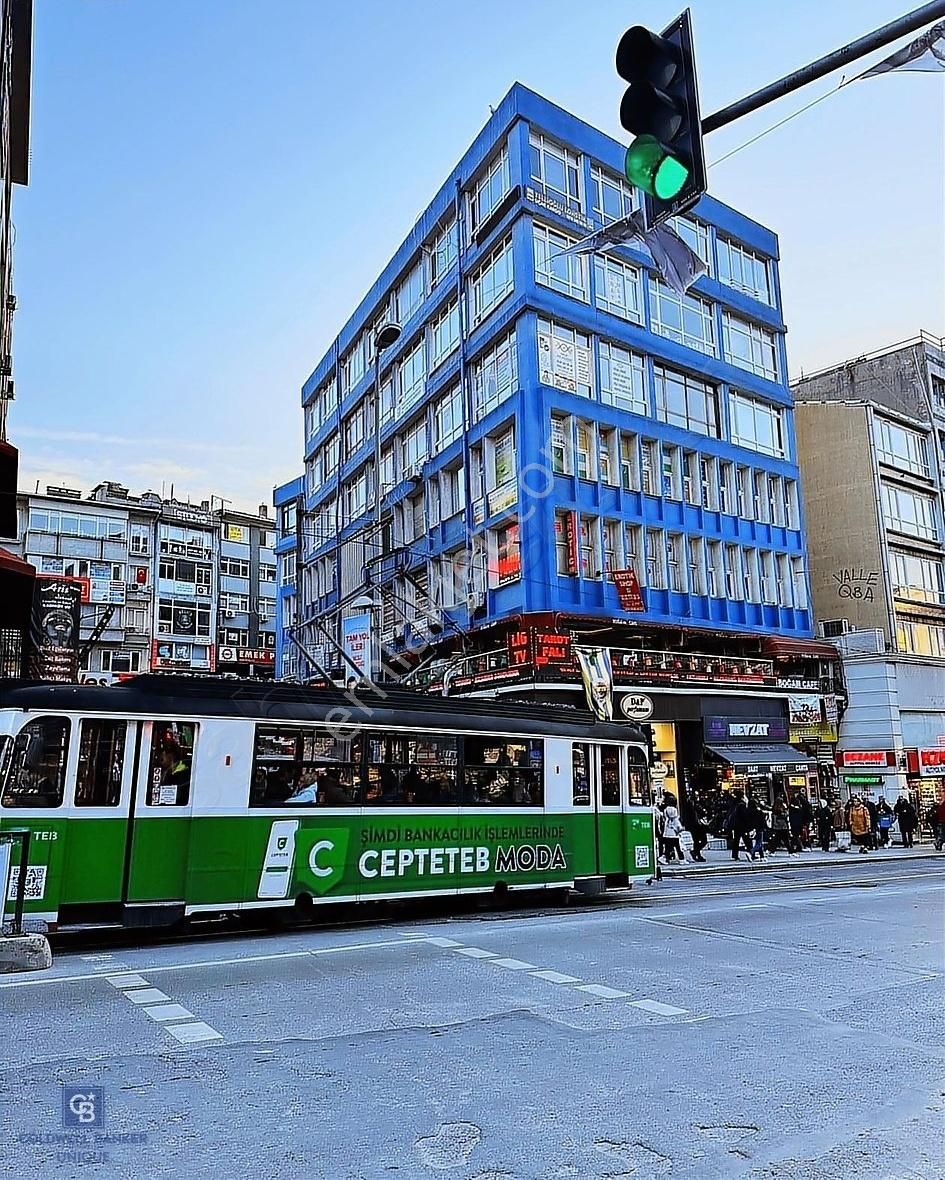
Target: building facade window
(566, 273)
(554, 170)
(909, 512)
(750, 346)
(655, 552)
(591, 559)
(918, 578)
(744, 270)
(618, 288)
(622, 378)
(413, 447)
(687, 319)
(443, 252)
(564, 358)
(492, 282)
(757, 424)
(686, 401)
(409, 295)
(495, 374)
(696, 236)
(561, 462)
(412, 376)
(489, 189)
(612, 197)
(899, 447)
(444, 334)
(448, 418)
(920, 637)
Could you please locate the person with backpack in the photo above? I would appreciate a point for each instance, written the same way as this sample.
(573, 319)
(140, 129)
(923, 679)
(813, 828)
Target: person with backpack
(885, 818)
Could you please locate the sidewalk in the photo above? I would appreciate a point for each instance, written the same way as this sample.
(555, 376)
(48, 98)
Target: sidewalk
(720, 860)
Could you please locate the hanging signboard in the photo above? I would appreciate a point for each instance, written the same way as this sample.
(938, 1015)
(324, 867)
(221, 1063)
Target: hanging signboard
(628, 590)
(56, 619)
(356, 641)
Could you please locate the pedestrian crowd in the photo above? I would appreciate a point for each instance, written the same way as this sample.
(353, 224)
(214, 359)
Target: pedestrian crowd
(791, 825)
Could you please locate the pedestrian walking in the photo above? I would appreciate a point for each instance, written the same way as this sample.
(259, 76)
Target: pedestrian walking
(874, 822)
(885, 817)
(937, 823)
(908, 819)
(780, 828)
(672, 830)
(798, 817)
(861, 828)
(823, 817)
(737, 825)
(758, 829)
(697, 825)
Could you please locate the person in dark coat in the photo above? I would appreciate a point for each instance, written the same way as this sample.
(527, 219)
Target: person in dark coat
(737, 825)
(758, 829)
(908, 819)
(874, 821)
(823, 817)
(798, 816)
(695, 823)
(884, 822)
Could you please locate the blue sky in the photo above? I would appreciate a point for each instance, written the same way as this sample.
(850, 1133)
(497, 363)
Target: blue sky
(215, 184)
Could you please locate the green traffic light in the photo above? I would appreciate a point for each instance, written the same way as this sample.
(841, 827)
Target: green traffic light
(650, 167)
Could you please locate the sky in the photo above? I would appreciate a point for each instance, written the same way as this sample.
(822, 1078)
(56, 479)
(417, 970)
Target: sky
(214, 185)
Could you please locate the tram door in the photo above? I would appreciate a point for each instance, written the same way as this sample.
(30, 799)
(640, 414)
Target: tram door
(159, 824)
(607, 777)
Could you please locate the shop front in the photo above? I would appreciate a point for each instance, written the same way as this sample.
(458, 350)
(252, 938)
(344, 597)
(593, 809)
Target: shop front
(755, 757)
(925, 775)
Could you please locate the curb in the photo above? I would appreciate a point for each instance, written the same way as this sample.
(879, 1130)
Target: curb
(769, 866)
(25, 952)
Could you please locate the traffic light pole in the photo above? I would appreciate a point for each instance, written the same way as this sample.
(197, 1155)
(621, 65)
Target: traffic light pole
(826, 65)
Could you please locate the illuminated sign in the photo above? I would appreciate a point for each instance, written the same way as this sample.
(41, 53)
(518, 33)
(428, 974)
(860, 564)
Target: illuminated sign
(867, 758)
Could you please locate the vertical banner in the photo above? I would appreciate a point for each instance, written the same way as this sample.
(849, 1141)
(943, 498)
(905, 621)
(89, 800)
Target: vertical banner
(356, 641)
(598, 677)
(56, 617)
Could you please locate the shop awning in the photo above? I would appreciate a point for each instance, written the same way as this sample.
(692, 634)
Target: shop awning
(780, 647)
(768, 756)
(11, 564)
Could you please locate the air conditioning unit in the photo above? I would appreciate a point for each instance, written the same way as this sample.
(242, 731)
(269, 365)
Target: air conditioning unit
(832, 628)
(229, 614)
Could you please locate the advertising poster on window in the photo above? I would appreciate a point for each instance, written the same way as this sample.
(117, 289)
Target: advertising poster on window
(597, 675)
(563, 364)
(356, 641)
(509, 555)
(56, 617)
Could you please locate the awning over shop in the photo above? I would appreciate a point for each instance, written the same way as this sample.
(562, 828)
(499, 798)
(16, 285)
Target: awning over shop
(779, 758)
(12, 564)
(780, 647)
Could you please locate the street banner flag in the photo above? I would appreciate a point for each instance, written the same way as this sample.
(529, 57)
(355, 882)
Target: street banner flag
(598, 677)
(926, 54)
(678, 266)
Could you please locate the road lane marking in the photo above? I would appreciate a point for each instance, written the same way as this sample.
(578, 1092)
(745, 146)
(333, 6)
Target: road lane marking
(475, 952)
(513, 964)
(122, 981)
(656, 1007)
(168, 1012)
(189, 1034)
(605, 993)
(556, 976)
(436, 941)
(146, 995)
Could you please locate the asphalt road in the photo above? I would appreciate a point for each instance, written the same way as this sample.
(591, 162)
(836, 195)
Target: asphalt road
(762, 1026)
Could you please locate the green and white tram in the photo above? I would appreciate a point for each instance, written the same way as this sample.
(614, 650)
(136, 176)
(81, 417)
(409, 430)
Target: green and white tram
(171, 797)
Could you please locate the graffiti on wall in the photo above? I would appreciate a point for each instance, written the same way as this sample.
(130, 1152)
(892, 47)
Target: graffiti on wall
(856, 582)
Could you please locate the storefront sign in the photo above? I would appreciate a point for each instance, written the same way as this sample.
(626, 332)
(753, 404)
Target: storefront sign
(659, 770)
(863, 780)
(571, 537)
(804, 709)
(547, 202)
(356, 640)
(741, 729)
(628, 590)
(867, 758)
(246, 655)
(636, 706)
(929, 763)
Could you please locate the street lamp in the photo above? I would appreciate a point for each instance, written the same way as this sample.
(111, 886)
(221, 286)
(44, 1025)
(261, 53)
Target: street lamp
(385, 336)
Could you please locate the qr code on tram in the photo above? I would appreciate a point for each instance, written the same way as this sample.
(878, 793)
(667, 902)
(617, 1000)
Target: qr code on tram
(35, 882)
(642, 856)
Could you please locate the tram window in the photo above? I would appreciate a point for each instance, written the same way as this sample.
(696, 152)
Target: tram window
(172, 756)
(36, 770)
(639, 779)
(101, 757)
(581, 774)
(413, 770)
(502, 772)
(298, 766)
(610, 776)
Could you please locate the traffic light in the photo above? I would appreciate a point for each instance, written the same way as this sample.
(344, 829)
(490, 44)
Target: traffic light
(661, 108)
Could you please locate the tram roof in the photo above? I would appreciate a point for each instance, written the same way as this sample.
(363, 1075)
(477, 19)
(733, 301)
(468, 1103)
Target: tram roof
(207, 696)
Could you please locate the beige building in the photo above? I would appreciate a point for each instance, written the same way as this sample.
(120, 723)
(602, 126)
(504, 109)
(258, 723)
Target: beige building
(871, 450)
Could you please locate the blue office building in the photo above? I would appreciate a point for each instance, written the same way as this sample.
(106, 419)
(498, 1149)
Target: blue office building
(549, 419)
(287, 499)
